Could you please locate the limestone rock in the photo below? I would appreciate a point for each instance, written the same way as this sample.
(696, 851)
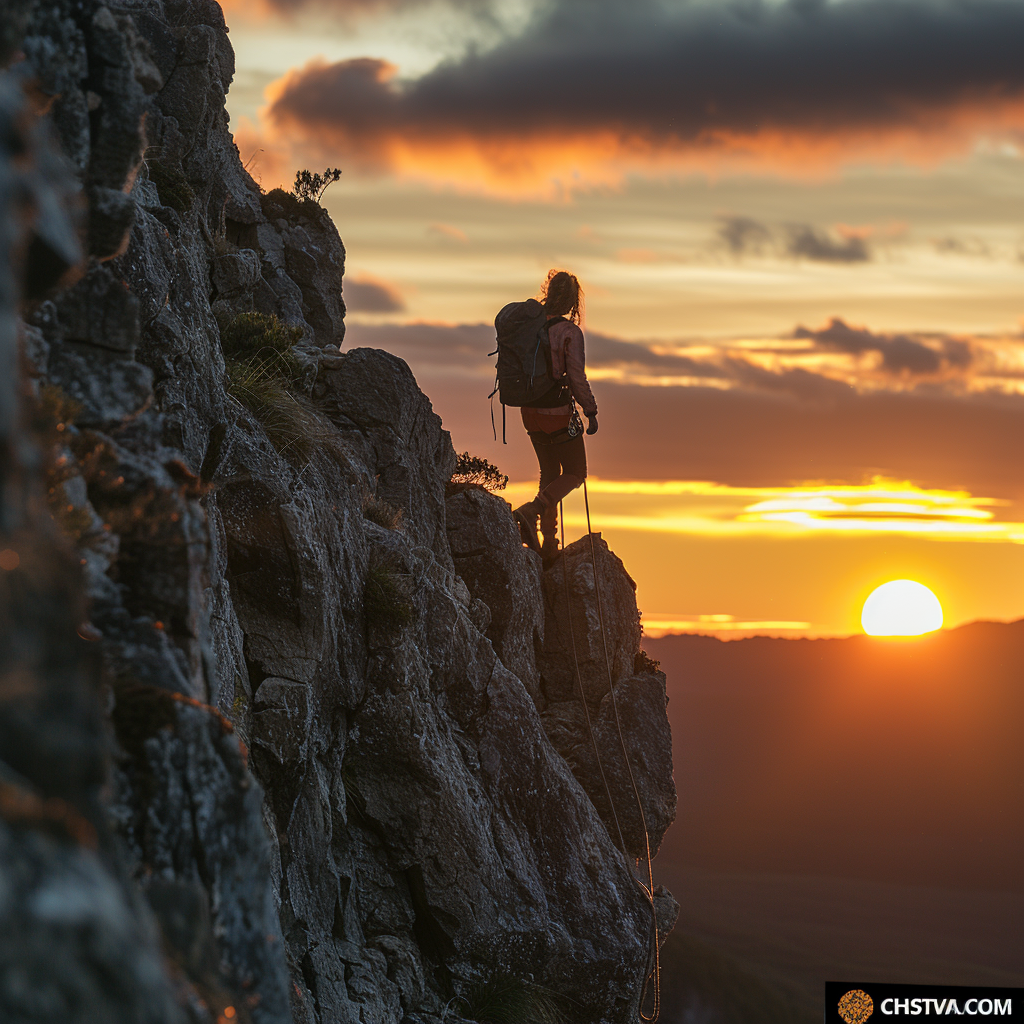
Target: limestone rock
(77, 943)
(62, 907)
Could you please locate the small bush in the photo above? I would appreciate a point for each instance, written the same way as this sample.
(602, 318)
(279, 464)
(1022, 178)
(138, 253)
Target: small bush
(382, 512)
(471, 469)
(509, 1001)
(644, 664)
(309, 188)
(386, 598)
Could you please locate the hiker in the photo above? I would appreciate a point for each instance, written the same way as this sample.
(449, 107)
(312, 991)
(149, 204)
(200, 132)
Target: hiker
(551, 418)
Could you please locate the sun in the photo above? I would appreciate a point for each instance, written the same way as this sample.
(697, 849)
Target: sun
(901, 608)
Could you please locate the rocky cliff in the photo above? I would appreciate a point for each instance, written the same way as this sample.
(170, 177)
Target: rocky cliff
(290, 725)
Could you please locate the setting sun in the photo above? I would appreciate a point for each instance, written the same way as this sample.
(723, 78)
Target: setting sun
(901, 608)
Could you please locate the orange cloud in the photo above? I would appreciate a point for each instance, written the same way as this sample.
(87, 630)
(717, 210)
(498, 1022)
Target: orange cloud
(637, 256)
(448, 231)
(537, 164)
(661, 92)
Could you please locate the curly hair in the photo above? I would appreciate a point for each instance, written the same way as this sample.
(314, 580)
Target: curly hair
(563, 296)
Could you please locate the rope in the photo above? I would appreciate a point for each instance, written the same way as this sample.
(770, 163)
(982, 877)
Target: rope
(649, 888)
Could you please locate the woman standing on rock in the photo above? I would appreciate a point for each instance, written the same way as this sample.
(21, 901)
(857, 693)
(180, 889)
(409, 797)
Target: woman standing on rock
(552, 420)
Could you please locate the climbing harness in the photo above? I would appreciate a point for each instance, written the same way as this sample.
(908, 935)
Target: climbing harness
(652, 977)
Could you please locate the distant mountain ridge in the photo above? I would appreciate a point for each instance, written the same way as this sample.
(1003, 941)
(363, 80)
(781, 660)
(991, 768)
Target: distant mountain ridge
(860, 757)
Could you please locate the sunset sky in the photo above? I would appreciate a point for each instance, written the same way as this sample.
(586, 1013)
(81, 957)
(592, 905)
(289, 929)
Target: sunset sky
(800, 229)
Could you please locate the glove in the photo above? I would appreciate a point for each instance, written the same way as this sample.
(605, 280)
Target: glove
(592, 424)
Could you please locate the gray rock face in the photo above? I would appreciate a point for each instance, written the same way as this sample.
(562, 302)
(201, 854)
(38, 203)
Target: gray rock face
(306, 260)
(77, 942)
(326, 698)
(638, 714)
(626, 751)
(575, 623)
(502, 574)
(62, 907)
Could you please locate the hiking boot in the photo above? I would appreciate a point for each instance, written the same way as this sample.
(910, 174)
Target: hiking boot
(526, 516)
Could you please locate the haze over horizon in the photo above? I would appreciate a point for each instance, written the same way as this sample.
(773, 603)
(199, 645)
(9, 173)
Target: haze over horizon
(799, 227)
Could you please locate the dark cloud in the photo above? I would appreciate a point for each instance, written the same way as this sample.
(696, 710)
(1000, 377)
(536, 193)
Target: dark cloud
(464, 348)
(459, 347)
(359, 8)
(364, 295)
(901, 353)
(768, 428)
(612, 353)
(963, 247)
(743, 235)
(690, 74)
(743, 436)
(801, 384)
(806, 242)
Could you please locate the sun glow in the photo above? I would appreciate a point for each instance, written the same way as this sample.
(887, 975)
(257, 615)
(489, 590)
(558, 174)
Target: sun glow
(901, 608)
(704, 508)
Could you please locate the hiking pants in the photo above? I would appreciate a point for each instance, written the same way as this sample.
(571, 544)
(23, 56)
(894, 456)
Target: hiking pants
(563, 467)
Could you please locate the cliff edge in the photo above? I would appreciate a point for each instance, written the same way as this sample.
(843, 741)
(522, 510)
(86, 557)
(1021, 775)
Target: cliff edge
(290, 728)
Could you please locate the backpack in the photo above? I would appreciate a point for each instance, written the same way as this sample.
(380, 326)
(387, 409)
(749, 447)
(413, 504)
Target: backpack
(524, 357)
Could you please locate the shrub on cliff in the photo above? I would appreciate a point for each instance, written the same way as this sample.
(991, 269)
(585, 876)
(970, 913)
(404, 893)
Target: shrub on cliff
(171, 184)
(644, 664)
(472, 470)
(309, 187)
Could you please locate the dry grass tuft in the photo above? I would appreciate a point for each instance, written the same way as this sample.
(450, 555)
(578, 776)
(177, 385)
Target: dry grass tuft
(510, 1001)
(266, 377)
(263, 338)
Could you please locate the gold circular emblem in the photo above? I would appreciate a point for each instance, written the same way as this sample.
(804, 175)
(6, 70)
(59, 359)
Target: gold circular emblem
(856, 1006)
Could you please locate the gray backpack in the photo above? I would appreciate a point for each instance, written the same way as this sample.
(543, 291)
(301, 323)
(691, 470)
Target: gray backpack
(524, 357)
